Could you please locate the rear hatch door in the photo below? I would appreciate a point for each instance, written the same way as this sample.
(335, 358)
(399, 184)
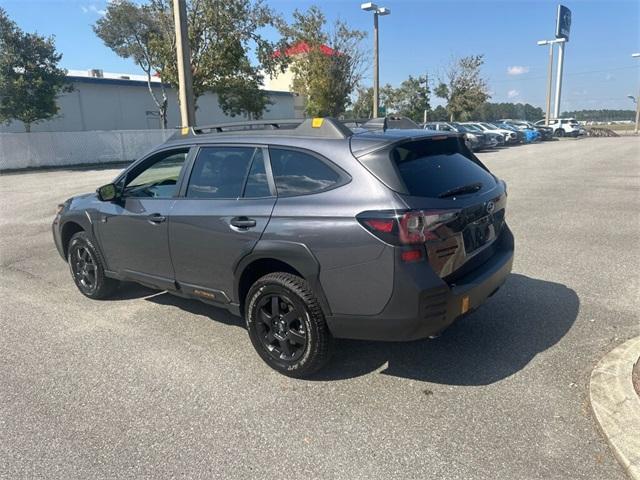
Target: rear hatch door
(440, 176)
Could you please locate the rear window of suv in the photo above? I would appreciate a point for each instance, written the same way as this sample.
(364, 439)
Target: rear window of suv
(430, 168)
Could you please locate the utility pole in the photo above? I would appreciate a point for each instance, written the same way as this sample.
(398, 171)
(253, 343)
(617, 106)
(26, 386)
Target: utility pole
(185, 80)
(377, 11)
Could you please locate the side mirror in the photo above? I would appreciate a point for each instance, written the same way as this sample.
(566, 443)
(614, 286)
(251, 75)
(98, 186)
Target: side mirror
(107, 192)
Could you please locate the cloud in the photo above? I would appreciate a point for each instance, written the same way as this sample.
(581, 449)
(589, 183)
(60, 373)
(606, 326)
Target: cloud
(517, 70)
(93, 9)
(513, 93)
(608, 77)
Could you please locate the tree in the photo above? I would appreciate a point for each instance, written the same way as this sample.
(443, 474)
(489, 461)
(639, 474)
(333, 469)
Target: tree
(132, 31)
(462, 87)
(223, 34)
(601, 115)
(410, 99)
(30, 79)
(326, 78)
(494, 111)
(363, 105)
(438, 114)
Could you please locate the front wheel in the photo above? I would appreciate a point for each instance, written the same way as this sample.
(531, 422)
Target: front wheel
(87, 268)
(286, 325)
(560, 132)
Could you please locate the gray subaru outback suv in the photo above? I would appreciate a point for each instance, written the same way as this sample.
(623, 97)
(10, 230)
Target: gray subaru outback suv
(310, 230)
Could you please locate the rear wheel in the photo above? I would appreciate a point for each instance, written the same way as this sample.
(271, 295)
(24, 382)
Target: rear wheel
(87, 268)
(286, 325)
(560, 132)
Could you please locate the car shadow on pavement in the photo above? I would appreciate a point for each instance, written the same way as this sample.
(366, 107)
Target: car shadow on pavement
(524, 318)
(196, 307)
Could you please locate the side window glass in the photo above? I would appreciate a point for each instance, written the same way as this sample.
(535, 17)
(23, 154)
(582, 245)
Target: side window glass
(219, 172)
(158, 180)
(298, 173)
(257, 184)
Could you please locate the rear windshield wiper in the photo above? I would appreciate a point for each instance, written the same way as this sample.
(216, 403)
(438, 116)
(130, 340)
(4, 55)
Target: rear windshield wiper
(471, 188)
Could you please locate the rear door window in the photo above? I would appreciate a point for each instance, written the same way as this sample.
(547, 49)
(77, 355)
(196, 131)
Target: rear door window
(431, 168)
(299, 173)
(220, 172)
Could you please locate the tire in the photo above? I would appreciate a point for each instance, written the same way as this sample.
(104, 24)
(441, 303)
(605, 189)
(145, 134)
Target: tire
(286, 325)
(87, 268)
(560, 132)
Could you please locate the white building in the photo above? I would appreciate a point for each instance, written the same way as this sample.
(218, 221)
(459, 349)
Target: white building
(111, 101)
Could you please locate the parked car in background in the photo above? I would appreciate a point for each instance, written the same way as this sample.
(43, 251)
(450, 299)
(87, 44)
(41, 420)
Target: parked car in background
(475, 141)
(493, 134)
(268, 220)
(532, 133)
(546, 133)
(510, 136)
(520, 135)
(563, 127)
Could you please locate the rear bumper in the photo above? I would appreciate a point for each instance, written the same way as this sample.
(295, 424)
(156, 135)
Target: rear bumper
(423, 304)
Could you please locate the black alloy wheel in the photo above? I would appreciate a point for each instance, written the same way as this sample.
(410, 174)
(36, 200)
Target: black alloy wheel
(84, 268)
(87, 268)
(281, 327)
(286, 324)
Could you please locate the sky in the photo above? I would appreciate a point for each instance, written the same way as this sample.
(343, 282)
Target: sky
(421, 36)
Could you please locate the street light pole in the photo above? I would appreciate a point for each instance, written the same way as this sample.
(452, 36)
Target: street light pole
(377, 11)
(547, 117)
(556, 110)
(637, 55)
(185, 81)
(376, 67)
(549, 85)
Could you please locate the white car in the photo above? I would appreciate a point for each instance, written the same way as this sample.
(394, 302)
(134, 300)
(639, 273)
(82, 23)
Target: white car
(508, 135)
(564, 127)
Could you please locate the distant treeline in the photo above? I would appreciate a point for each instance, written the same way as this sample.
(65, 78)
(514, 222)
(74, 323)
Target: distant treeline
(601, 115)
(489, 112)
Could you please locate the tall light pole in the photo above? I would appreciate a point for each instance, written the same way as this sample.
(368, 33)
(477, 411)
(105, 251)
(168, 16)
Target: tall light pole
(637, 55)
(549, 77)
(185, 81)
(556, 109)
(372, 7)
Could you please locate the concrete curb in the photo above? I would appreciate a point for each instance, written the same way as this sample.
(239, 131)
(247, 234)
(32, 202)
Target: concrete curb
(616, 405)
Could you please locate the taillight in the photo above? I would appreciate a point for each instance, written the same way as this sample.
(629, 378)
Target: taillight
(407, 227)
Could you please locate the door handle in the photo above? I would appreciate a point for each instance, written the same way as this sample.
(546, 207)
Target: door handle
(156, 218)
(243, 222)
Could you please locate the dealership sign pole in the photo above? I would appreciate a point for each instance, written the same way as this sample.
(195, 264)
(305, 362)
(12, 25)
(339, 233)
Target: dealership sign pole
(563, 28)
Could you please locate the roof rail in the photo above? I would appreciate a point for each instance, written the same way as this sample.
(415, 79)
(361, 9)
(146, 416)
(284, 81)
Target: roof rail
(248, 125)
(385, 123)
(310, 127)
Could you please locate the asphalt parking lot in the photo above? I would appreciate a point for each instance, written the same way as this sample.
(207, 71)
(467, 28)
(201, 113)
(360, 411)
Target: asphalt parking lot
(153, 386)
